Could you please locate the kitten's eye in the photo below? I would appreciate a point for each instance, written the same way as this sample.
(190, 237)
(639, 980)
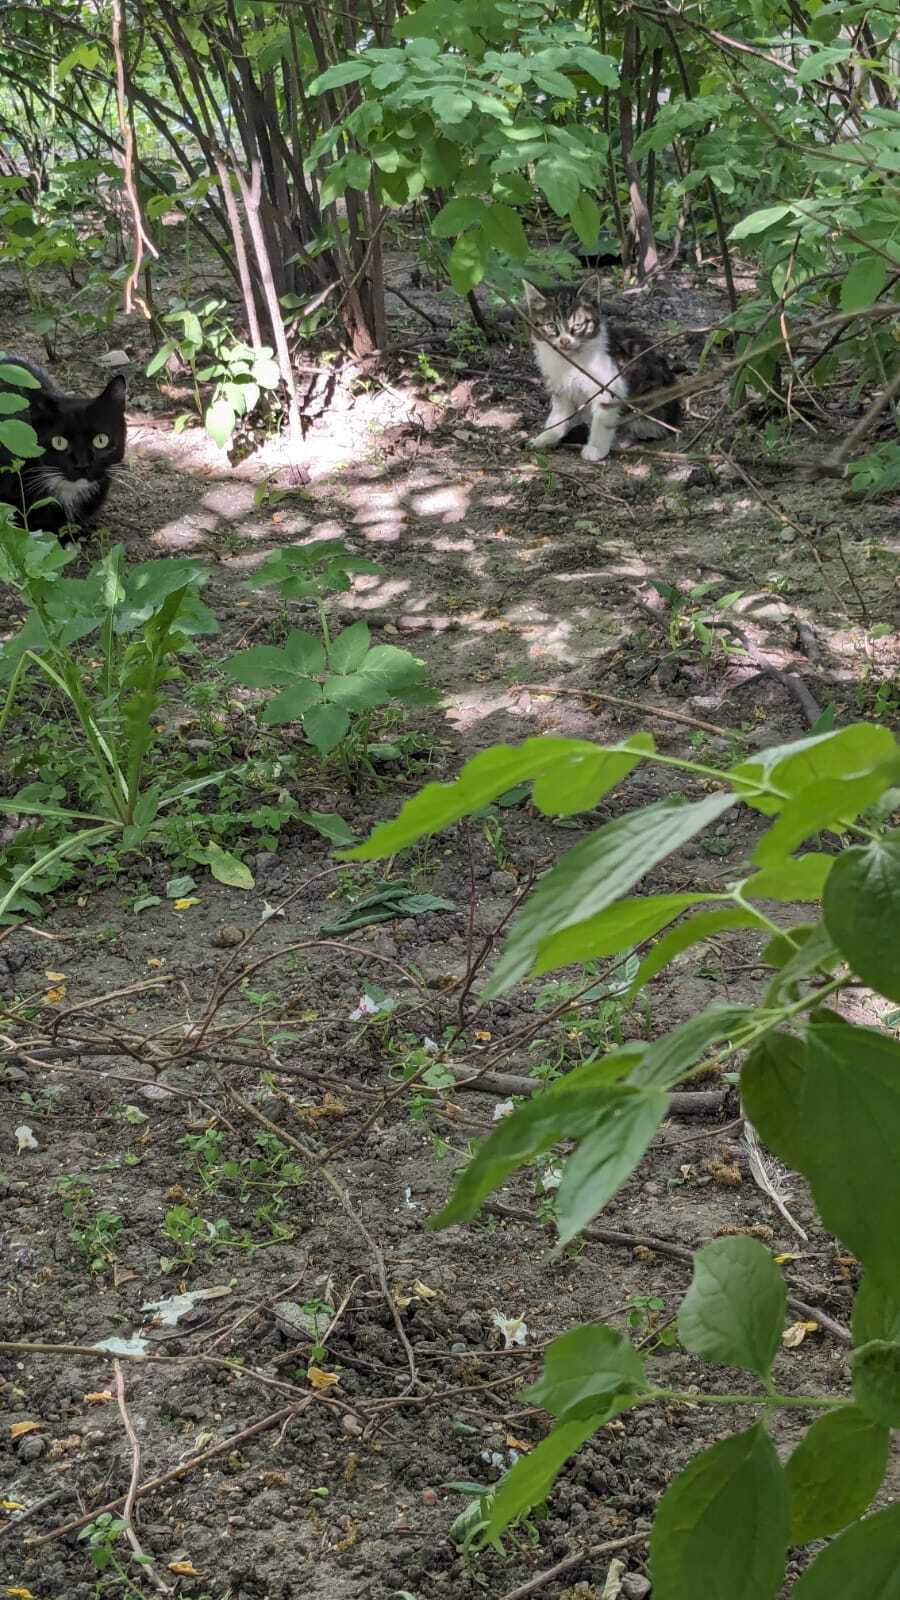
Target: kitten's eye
(100, 441)
(59, 442)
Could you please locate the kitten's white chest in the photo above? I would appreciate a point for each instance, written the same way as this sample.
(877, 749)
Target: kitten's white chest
(596, 377)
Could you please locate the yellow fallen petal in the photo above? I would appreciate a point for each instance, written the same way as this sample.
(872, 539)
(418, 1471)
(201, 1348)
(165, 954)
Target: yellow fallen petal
(796, 1333)
(185, 905)
(320, 1379)
(184, 1569)
(19, 1594)
(17, 1429)
(55, 977)
(98, 1397)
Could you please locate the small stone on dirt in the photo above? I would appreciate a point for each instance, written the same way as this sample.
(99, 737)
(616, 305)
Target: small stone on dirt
(228, 937)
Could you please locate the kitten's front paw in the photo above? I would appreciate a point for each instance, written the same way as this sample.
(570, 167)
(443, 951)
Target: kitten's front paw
(543, 441)
(592, 452)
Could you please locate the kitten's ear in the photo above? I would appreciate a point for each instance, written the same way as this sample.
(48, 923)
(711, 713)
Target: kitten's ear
(591, 290)
(113, 396)
(534, 300)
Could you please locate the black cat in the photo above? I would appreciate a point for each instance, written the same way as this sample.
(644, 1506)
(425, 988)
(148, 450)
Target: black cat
(83, 442)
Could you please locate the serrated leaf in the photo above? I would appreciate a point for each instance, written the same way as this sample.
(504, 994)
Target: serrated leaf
(618, 927)
(563, 764)
(722, 1527)
(834, 1473)
(773, 1085)
(851, 1108)
(325, 727)
(348, 650)
(531, 1479)
(861, 1564)
(467, 262)
(583, 1369)
(668, 1059)
(694, 930)
(733, 1311)
(819, 805)
(786, 770)
(604, 1159)
(541, 1123)
(876, 1312)
(862, 911)
(876, 1381)
(504, 230)
(595, 873)
(292, 704)
(262, 667)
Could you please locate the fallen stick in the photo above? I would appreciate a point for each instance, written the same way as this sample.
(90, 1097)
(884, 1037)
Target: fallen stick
(506, 1083)
(630, 705)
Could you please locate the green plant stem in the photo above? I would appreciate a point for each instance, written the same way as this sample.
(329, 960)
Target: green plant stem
(89, 835)
(787, 1402)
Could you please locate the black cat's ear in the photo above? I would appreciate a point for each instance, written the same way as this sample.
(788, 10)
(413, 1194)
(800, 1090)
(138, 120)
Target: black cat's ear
(113, 396)
(534, 300)
(591, 290)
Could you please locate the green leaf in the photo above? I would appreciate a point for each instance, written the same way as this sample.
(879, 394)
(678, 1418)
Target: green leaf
(614, 1111)
(733, 1311)
(668, 1059)
(694, 930)
(722, 1527)
(817, 806)
(84, 55)
(531, 1479)
(387, 903)
(261, 667)
(19, 377)
(834, 1473)
(20, 439)
(773, 1085)
(605, 1158)
(876, 1381)
(861, 1564)
(226, 868)
(583, 1369)
(450, 107)
(468, 262)
(595, 873)
(336, 77)
(219, 422)
(822, 60)
(348, 650)
(504, 230)
(862, 911)
(329, 825)
(559, 179)
(458, 215)
(876, 1312)
(584, 216)
(863, 283)
(325, 727)
(785, 770)
(791, 878)
(619, 927)
(11, 403)
(759, 221)
(851, 1108)
(292, 704)
(358, 170)
(562, 763)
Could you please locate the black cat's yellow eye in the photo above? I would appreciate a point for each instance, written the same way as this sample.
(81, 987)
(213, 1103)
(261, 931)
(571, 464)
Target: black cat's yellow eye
(59, 442)
(100, 441)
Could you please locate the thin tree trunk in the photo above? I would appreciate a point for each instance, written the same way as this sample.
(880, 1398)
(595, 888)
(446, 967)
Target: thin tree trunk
(647, 253)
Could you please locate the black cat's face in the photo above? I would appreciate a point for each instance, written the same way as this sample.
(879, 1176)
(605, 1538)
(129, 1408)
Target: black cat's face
(81, 439)
(566, 318)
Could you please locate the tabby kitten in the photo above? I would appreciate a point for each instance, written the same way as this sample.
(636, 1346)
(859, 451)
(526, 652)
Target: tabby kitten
(83, 442)
(613, 363)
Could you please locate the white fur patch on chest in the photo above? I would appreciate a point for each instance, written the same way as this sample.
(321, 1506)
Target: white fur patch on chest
(71, 493)
(594, 377)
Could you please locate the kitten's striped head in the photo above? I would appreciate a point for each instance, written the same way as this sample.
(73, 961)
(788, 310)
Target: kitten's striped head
(567, 318)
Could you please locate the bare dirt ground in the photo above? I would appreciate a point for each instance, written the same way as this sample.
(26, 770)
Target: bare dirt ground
(528, 592)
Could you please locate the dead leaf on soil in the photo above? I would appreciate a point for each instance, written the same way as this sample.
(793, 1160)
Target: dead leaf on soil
(320, 1379)
(12, 1505)
(186, 903)
(55, 977)
(54, 996)
(725, 1172)
(19, 1594)
(18, 1429)
(184, 1569)
(517, 1444)
(98, 1397)
(796, 1333)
